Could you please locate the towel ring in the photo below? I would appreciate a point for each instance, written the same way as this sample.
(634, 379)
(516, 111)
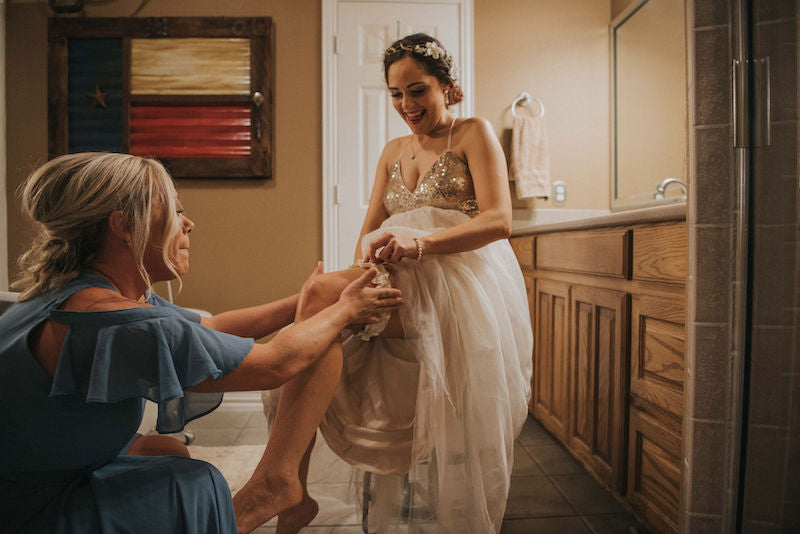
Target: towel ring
(523, 99)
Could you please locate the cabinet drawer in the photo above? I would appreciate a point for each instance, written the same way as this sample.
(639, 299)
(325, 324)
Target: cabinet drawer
(658, 341)
(659, 253)
(599, 252)
(523, 248)
(654, 471)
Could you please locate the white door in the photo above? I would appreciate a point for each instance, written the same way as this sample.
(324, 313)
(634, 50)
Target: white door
(365, 118)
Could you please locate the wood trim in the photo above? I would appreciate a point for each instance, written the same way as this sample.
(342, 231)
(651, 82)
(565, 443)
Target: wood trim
(523, 248)
(210, 167)
(598, 252)
(658, 341)
(57, 116)
(154, 27)
(659, 253)
(258, 30)
(188, 100)
(654, 472)
(551, 356)
(634, 287)
(599, 381)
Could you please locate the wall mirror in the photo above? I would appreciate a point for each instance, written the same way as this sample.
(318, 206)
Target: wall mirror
(648, 104)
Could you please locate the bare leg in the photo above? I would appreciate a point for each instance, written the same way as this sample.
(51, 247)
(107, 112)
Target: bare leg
(275, 485)
(292, 520)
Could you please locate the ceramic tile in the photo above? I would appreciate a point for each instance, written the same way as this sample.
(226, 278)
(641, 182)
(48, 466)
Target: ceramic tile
(545, 525)
(711, 13)
(533, 433)
(713, 275)
(778, 42)
(704, 524)
(614, 524)
(257, 420)
(554, 460)
(778, 160)
(773, 9)
(535, 496)
(712, 77)
(758, 527)
(707, 467)
(769, 376)
(252, 436)
(586, 495)
(222, 418)
(336, 504)
(214, 437)
(766, 464)
(325, 466)
(773, 276)
(523, 463)
(714, 169)
(711, 363)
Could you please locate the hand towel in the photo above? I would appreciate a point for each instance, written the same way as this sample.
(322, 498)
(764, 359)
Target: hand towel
(530, 161)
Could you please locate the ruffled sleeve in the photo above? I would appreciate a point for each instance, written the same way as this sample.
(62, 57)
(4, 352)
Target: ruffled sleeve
(149, 352)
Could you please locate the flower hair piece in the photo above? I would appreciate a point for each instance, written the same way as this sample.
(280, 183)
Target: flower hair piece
(429, 49)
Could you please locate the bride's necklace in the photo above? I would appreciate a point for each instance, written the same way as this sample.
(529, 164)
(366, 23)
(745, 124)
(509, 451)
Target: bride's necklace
(413, 154)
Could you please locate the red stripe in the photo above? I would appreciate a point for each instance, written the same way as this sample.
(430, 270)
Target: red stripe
(190, 131)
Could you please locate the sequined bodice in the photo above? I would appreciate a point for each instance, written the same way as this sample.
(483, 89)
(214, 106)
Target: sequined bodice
(447, 184)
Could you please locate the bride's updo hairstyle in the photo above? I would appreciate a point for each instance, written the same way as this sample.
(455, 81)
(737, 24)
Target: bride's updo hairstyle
(69, 200)
(429, 53)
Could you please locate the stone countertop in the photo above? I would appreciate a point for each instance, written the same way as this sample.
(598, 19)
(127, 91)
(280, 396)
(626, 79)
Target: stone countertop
(523, 223)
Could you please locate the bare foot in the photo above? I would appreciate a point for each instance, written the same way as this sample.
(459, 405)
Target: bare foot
(257, 503)
(292, 520)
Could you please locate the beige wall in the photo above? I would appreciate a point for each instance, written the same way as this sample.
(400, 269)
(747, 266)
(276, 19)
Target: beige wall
(556, 50)
(255, 240)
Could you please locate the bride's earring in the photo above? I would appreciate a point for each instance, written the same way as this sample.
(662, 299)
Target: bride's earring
(447, 97)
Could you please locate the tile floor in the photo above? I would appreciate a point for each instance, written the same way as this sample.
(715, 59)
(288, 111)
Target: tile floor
(550, 491)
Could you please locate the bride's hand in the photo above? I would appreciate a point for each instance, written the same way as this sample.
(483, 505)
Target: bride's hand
(365, 302)
(390, 248)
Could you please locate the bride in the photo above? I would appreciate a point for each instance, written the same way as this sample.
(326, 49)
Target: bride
(432, 404)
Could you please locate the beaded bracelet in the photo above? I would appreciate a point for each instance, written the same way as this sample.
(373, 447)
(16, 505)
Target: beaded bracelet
(419, 248)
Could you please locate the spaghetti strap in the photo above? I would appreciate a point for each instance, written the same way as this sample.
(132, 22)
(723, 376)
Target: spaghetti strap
(450, 135)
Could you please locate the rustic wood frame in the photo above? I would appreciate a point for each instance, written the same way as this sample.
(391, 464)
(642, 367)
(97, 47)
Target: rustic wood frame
(258, 29)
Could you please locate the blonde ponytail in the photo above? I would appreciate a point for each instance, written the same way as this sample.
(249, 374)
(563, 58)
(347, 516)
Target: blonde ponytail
(69, 200)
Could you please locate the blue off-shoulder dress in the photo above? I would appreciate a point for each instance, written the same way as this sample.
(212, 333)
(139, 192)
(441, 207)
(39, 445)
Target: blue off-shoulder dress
(62, 439)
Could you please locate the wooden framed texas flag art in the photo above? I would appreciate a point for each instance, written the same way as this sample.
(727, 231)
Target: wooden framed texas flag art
(193, 92)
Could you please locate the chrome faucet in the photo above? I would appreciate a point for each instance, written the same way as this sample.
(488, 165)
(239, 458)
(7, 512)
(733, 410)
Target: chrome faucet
(662, 188)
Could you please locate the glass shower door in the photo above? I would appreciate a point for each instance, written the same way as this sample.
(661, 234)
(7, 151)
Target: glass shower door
(769, 485)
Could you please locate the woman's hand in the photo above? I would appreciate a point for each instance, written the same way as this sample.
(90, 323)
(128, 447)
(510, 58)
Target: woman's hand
(365, 303)
(390, 248)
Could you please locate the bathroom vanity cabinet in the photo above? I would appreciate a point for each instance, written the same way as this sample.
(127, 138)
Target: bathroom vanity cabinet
(608, 315)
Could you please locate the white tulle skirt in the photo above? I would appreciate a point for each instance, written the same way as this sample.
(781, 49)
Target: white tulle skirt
(434, 416)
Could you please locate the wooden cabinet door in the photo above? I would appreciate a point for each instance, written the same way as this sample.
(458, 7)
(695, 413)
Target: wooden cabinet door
(598, 381)
(658, 332)
(551, 356)
(654, 472)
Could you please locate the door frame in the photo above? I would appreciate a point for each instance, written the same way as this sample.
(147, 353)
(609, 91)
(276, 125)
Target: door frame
(329, 98)
(3, 150)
